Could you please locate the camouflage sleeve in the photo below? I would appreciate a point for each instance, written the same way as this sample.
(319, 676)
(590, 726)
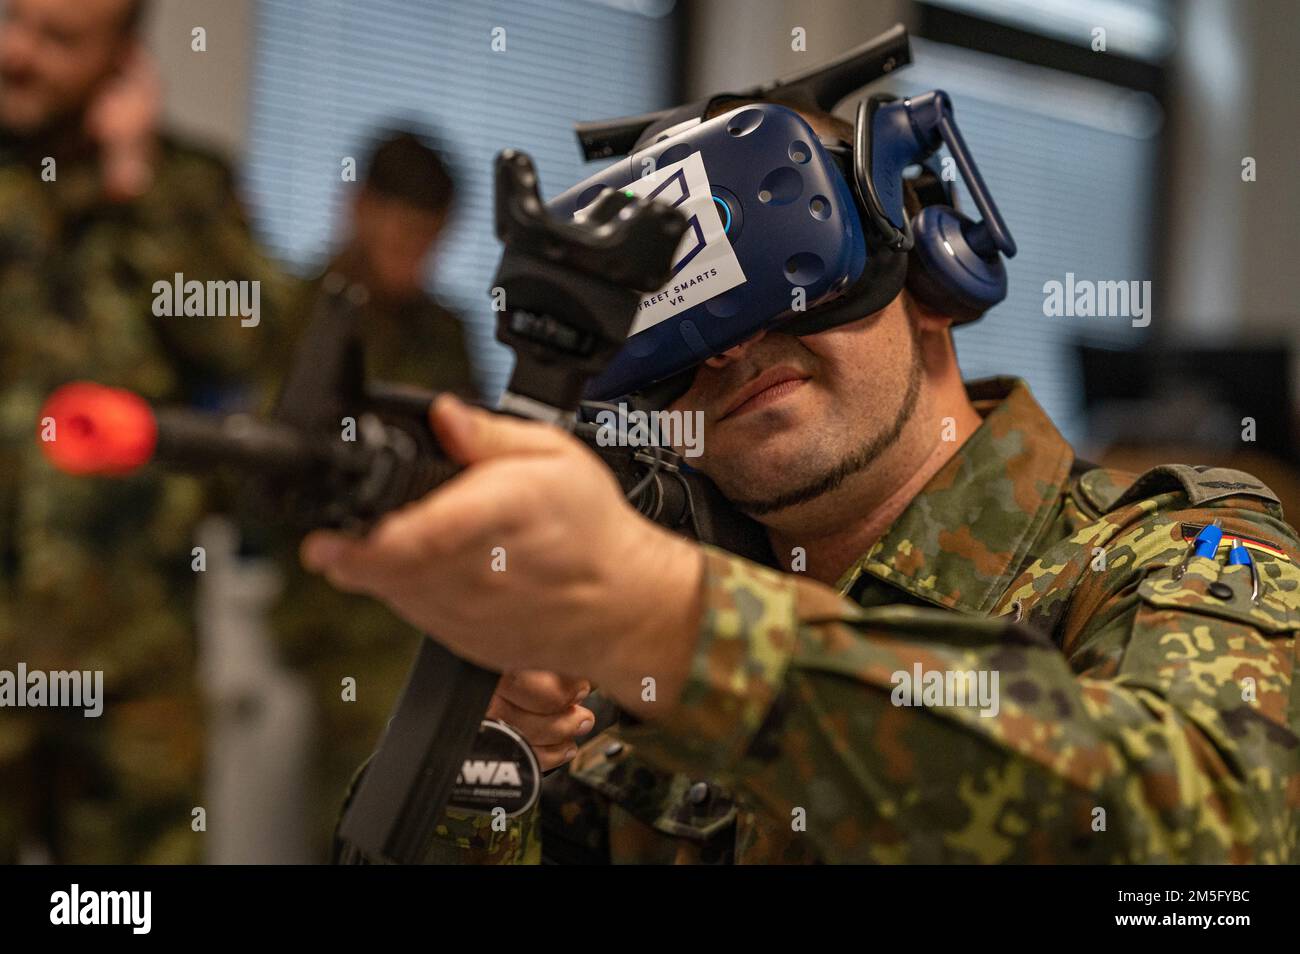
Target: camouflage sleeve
(901, 734)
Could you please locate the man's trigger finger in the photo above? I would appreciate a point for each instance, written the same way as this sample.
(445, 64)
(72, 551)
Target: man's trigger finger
(320, 549)
(389, 552)
(471, 434)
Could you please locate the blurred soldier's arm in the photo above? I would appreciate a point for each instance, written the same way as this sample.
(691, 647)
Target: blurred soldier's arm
(191, 224)
(183, 221)
(155, 212)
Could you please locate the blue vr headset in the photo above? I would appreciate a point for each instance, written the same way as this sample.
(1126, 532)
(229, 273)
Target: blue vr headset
(789, 230)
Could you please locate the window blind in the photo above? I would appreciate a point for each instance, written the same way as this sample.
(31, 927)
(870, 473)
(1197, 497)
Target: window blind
(329, 73)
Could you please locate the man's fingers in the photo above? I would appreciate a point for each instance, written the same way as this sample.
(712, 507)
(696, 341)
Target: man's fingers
(408, 540)
(391, 550)
(471, 505)
(544, 730)
(354, 564)
(471, 434)
(542, 692)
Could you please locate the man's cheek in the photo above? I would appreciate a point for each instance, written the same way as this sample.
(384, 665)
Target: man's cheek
(709, 453)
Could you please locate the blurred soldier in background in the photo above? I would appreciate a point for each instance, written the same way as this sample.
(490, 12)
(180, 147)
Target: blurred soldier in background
(393, 226)
(96, 206)
(355, 651)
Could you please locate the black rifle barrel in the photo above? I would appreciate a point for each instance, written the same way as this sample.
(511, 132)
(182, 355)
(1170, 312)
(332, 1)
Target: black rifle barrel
(198, 441)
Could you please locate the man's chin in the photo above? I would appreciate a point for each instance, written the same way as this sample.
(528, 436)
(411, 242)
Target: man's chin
(742, 480)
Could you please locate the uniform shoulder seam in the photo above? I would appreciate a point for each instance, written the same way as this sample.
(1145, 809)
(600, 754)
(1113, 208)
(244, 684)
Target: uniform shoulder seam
(1097, 488)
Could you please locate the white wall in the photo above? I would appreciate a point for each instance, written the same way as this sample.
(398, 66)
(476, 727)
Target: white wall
(206, 94)
(757, 37)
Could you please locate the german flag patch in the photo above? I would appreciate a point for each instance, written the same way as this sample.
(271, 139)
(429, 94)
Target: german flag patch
(1190, 530)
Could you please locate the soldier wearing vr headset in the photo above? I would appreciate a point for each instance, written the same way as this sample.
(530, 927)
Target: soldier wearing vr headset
(1121, 646)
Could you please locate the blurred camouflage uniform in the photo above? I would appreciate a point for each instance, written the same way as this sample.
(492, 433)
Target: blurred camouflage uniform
(95, 574)
(419, 342)
(330, 635)
(1165, 701)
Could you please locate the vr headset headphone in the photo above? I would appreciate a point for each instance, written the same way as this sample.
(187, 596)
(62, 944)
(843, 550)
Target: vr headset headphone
(789, 230)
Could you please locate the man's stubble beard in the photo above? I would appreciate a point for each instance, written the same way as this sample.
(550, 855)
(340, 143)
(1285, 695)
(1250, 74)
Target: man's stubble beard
(857, 460)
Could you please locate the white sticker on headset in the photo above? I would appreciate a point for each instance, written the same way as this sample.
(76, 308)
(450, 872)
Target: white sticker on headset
(705, 264)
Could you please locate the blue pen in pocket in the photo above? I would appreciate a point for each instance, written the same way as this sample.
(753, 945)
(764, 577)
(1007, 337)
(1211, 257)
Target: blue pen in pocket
(1207, 541)
(1240, 556)
(1205, 545)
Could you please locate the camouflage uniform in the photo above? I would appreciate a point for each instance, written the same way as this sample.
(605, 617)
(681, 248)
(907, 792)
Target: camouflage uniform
(419, 342)
(1146, 715)
(95, 575)
(330, 635)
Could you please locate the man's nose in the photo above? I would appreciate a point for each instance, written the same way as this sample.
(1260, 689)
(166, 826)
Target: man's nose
(732, 354)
